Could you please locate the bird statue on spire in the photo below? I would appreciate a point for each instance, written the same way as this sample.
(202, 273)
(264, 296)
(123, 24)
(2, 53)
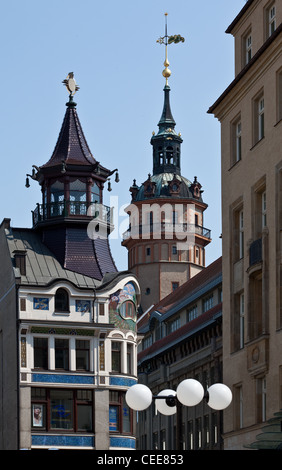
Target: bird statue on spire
(70, 84)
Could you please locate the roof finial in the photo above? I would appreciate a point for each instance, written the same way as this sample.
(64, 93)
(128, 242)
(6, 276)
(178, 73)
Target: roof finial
(168, 40)
(71, 86)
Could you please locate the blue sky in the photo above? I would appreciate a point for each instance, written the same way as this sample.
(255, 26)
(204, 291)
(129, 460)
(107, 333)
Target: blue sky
(111, 48)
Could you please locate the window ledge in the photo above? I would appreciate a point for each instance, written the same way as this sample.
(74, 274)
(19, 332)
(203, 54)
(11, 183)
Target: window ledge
(235, 164)
(257, 143)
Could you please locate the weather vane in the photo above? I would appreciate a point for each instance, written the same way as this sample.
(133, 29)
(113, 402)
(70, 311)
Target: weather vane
(168, 40)
(70, 84)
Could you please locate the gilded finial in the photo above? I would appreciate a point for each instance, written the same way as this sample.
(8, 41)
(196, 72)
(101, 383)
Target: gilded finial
(168, 40)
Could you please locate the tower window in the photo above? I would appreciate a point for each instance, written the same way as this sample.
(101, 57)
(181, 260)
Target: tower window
(61, 301)
(169, 155)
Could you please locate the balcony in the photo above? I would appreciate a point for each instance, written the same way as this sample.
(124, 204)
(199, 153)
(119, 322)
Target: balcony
(166, 230)
(71, 209)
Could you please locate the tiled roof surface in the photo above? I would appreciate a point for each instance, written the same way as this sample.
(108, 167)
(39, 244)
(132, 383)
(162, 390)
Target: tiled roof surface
(197, 282)
(79, 253)
(181, 333)
(71, 144)
(42, 266)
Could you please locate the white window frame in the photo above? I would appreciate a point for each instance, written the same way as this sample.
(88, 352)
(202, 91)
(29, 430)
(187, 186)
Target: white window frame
(248, 48)
(261, 118)
(238, 137)
(271, 19)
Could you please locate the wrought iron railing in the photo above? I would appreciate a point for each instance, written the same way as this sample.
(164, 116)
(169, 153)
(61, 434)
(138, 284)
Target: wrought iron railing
(79, 209)
(160, 229)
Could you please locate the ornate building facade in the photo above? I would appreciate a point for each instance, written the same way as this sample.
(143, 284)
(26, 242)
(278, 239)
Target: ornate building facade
(68, 337)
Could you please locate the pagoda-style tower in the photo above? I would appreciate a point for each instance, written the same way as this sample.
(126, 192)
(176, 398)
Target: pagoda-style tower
(72, 183)
(166, 238)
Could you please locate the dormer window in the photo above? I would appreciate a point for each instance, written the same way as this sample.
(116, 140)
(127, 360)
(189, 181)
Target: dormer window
(62, 300)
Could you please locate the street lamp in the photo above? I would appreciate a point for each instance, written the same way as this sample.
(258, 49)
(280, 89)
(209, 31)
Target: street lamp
(189, 393)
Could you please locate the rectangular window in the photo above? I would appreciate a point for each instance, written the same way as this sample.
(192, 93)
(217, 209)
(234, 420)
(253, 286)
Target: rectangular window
(248, 48)
(130, 358)
(173, 325)
(261, 118)
(120, 415)
(116, 356)
(65, 410)
(174, 285)
(82, 351)
(271, 20)
(40, 350)
(258, 119)
(238, 148)
(263, 209)
(61, 353)
(241, 234)
(192, 313)
(208, 303)
(242, 320)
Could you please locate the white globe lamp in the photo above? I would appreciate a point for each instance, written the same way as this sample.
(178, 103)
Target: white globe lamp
(190, 392)
(161, 403)
(219, 396)
(138, 397)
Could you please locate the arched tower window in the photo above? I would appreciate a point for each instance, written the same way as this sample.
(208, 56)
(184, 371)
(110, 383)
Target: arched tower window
(161, 156)
(169, 156)
(62, 300)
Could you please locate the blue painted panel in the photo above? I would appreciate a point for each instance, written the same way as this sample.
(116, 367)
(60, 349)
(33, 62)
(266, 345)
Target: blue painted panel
(62, 378)
(122, 381)
(122, 442)
(62, 440)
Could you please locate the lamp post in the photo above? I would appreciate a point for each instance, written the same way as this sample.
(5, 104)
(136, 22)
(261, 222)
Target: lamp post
(189, 393)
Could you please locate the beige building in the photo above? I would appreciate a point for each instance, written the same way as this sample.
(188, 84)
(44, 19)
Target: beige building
(250, 113)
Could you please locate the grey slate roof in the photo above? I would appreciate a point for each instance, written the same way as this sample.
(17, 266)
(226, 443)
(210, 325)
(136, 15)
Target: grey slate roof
(42, 268)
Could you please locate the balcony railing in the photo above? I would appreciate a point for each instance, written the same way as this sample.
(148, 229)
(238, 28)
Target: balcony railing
(63, 209)
(159, 230)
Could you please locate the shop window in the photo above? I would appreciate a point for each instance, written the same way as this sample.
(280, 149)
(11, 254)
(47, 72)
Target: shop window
(58, 409)
(120, 415)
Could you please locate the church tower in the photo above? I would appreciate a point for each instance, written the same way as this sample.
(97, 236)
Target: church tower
(166, 238)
